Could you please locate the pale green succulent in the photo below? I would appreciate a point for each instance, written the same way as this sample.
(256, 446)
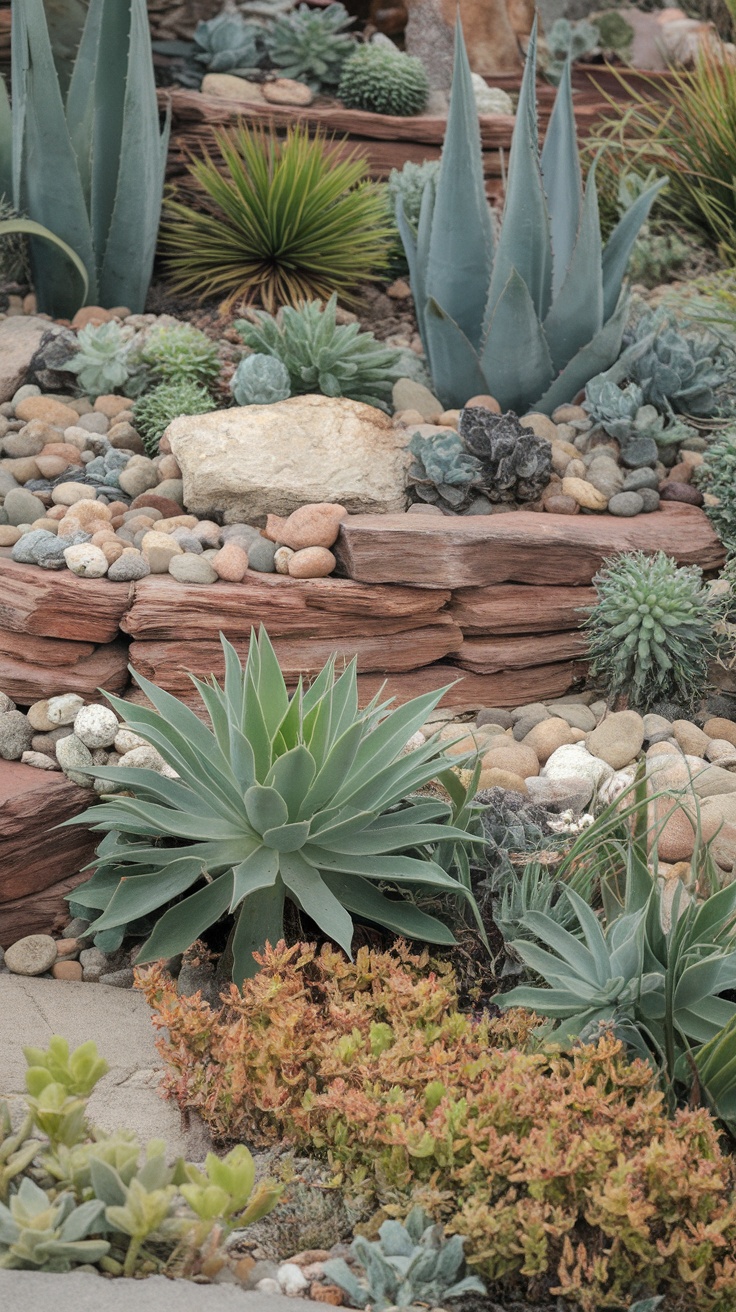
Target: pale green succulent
(227, 44)
(155, 410)
(568, 41)
(443, 472)
(305, 798)
(90, 183)
(408, 1265)
(312, 45)
(102, 364)
(717, 476)
(406, 185)
(38, 1234)
(621, 411)
(679, 371)
(383, 80)
(651, 630)
(531, 317)
(324, 356)
(180, 353)
(260, 380)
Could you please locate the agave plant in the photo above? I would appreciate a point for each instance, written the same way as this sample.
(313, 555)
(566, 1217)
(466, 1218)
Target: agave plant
(87, 171)
(284, 220)
(531, 317)
(302, 798)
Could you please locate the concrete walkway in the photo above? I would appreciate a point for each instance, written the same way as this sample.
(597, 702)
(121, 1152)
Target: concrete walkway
(32, 1291)
(119, 1021)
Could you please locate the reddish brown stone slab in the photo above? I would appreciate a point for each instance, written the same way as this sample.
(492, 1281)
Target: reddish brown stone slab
(162, 608)
(471, 691)
(27, 682)
(43, 651)
(492, 655)
(57, 604)
(170, 663)
(38, 913)
(34, 853)
(520, 547)
(508, 608)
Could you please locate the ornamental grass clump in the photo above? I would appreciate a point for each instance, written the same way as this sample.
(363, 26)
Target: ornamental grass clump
(277, 219)
(562, 1171)
(304, 799)
(651, 632)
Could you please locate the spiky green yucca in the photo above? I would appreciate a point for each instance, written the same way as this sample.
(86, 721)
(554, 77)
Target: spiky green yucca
(154, 411)
(281, 219)
(305, 798)
(384, 81)
(651, 630)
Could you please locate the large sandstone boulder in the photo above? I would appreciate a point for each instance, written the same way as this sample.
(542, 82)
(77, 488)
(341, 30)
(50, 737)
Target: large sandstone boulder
(248, 462)
(20, 338)
(493, 31)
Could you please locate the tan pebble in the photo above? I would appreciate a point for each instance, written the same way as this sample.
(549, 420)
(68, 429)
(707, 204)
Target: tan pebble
(558, 504)
(281, 558)
(56, 512)
(51, 466)
(77, 437)
(168, 468)
(544, 738)
(449, 418)
(690, 738)
(496, 778)
(230, 563)
(560, 458)
(111, 549)
(23, 468)
(484, 401)
(408, 418)
(176, 521)
(164, 446)
(67, 970)
(692, 458)
(569, 414)
(65, 451)
(67, 947)
(331, 1294)
(312, 563)
(513, 756)
(315, 525)
(48, 409)
(719, 727)
(50, 525)
(680, 473)
(540, 424)
(158, 549)
(721, 751)
(91, 314)
(120, 312)
(66, 494)
(584, 493)
(287, 91)
(117, 508)
(111, 405)
(9, 535)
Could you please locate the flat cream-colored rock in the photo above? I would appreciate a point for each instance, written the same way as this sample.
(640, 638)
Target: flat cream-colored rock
(253, 460)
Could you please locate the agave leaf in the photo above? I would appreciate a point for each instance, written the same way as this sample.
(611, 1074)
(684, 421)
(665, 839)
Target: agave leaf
(265, 808)
(386, 741)
(560, 165)
(460, 255)
(576, 314)
(316, 899)
(593, 359)
(568, 948)
(32, 229)
(292, 776)
(6, 143)
(337, 767)
(130, 223)
(701, 979)
(257, 872)
(271, 688)
(362, 899)
(185, 922)
(393, 869)
(512, 374)
(139, 896)
(53, 195)
(261, 921)
(525, 243)
(620, 243)
(456, 371)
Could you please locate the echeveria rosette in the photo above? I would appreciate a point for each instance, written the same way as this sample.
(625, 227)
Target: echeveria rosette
(305, 798)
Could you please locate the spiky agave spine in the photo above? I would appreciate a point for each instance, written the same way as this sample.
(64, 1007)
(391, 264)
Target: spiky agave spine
(651, 630)
(384, 81)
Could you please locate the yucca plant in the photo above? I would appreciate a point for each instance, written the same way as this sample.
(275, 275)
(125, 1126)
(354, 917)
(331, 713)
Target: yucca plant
(531, 317)
(87, 171)
(305, 798)
(284, 220)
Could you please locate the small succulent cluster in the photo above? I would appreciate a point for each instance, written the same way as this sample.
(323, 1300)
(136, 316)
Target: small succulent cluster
(651, 631)
(686, 373)
(717, 476)
(155, 410)
(407, 1266)
(639, 429)
(72, 1196)
(493, 456)
(321, 355)
(227, 44)
(383, 80)
(312, 45)
(179, 353)
(102, 363)
(566, 40)
(260, 380)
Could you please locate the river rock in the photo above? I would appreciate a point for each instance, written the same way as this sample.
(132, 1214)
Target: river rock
(32, 955)
(575, 761)
(617, 739)
(16, 733)
(309, 526)
(254, 460)
(96, 726)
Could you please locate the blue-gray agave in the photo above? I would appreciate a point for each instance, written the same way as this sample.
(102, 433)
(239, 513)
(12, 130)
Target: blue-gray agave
(87, 172)
(532, 316)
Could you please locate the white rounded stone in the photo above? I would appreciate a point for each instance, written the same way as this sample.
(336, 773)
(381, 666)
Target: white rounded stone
(96, 726)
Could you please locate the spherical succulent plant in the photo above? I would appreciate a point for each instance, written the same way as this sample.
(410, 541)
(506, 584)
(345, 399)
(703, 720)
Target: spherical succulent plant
(717, 476)
(442, 472)
(155, 410)
(651, 631)
(324, 356)
(311, 45)
(516, 463)
(260, 380)
(383, 80)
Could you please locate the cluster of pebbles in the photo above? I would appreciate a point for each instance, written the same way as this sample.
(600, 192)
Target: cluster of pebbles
(590, 472)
